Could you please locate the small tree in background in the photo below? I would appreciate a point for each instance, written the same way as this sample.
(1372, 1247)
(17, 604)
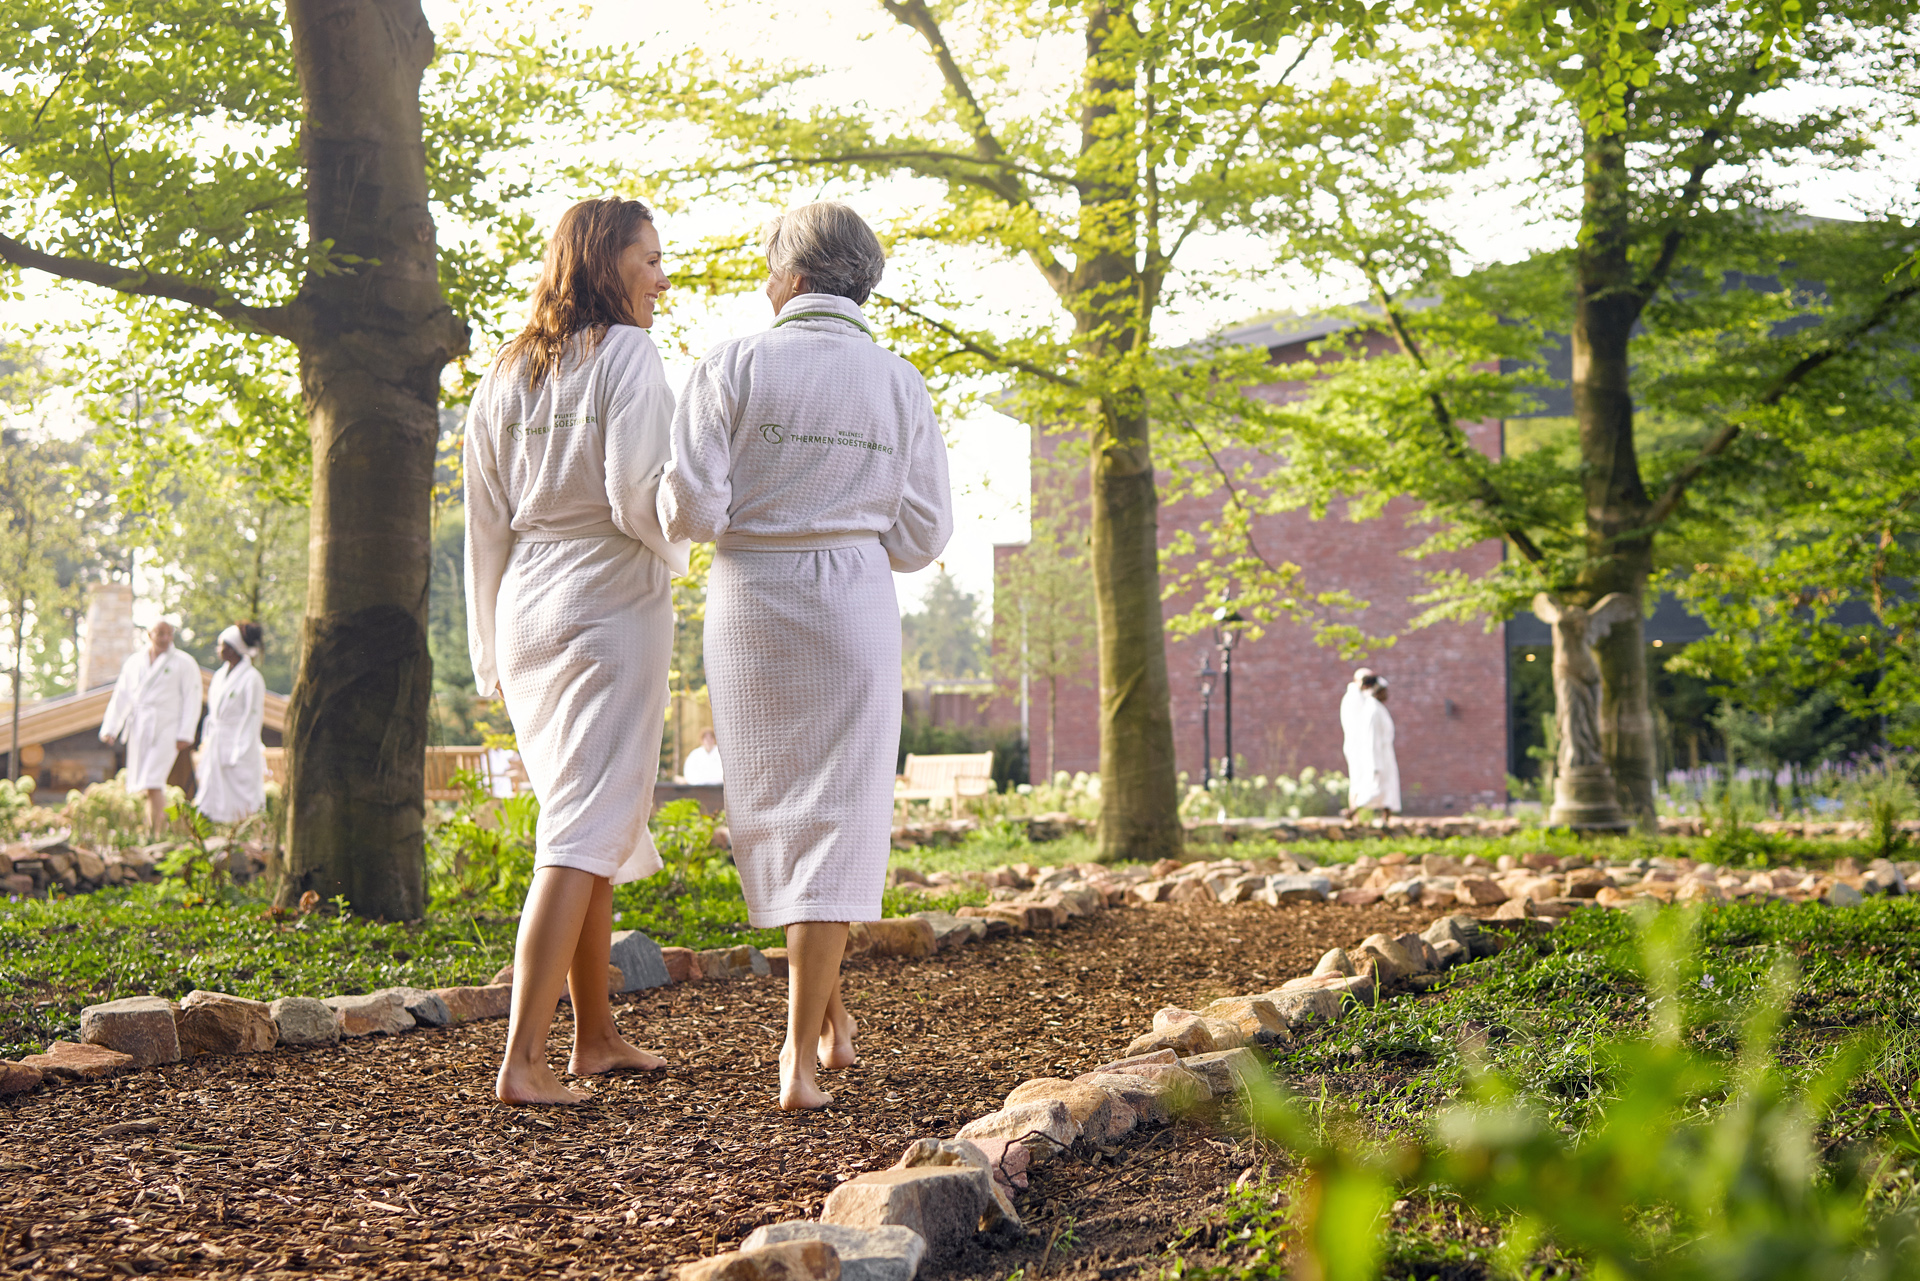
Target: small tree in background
(1043, 616)
(942, 640)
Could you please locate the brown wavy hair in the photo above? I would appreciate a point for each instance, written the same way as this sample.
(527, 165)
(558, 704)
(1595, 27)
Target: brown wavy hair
(579, 290)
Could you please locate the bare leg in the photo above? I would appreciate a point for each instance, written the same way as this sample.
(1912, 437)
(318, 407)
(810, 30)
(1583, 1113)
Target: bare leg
(597, 1044)
(836, 1033)
(814, 949)
(556, 907)
(157, 810)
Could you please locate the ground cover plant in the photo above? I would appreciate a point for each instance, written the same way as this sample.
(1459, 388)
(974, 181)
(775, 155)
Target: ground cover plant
(199, 931)
(1621, 1098)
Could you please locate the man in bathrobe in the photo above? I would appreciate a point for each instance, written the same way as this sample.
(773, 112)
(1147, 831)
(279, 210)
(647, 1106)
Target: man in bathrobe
(154, 708)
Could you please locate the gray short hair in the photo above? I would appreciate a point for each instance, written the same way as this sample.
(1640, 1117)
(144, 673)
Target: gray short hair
(829, 245)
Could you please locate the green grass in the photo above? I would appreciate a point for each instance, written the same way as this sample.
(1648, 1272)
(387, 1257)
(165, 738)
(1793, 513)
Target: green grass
(64, 953)
(1551, 1016)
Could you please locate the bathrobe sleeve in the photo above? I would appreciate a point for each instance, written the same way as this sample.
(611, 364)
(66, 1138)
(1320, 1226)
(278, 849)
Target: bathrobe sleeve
(489, 544)
(186, 675)
(925, 520)
(120, 706)
(697, 489)
(253, 703)
(637, 417)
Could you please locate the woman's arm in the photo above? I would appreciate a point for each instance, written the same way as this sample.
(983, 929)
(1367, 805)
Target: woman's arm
(637, 416)
(253, 707)
(925, 520)
(489, 543)
(697, 489)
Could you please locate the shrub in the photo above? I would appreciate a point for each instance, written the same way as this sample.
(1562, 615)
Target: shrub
(108, 814)
(16, 799)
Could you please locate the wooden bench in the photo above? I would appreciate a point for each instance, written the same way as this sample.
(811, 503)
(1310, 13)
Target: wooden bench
(442, 762)
(945, 778)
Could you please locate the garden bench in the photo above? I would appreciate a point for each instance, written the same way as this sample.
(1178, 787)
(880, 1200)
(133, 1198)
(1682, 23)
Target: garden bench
(947, 778)
(442, 762)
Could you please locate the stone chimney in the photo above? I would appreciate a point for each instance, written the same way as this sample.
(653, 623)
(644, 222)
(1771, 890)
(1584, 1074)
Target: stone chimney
(109, 636)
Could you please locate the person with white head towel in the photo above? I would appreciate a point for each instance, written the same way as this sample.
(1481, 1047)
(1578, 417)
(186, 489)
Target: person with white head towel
(810, 456)
(153, 711)
(233, 763)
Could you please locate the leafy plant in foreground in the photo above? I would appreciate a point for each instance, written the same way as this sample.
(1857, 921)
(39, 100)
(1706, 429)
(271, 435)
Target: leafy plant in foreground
(1697, 1168)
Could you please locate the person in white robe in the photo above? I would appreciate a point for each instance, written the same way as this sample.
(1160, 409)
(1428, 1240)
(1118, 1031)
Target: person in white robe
(1351, 712)
(233, 761)
(153, 711)
(1373, 781)
(810, 456)
(570, 612)
(702, 767)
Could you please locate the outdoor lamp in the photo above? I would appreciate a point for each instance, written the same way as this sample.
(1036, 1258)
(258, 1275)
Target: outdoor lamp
(1226, 634)
(1206, 677)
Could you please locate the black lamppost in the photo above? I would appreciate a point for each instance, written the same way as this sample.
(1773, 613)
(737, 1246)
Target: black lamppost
(1226, 634)
(1207, 675)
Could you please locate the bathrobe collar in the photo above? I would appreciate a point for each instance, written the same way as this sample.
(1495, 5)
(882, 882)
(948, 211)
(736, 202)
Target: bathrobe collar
(823, 311)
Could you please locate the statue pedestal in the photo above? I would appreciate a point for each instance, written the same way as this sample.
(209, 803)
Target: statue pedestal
(1584, 799)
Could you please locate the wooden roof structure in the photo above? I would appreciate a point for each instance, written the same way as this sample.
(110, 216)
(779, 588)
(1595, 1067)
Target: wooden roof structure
(51, 719)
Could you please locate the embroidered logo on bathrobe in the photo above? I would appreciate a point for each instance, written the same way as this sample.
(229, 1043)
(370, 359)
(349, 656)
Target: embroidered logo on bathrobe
(520, 431)
(775, 434)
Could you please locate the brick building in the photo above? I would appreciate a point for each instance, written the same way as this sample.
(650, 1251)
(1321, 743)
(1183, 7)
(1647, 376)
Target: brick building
(1449, 682)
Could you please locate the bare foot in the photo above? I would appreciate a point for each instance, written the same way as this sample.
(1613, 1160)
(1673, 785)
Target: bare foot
(613, 1056)
(836, 1044)
(536, 1085)
(797, 1095)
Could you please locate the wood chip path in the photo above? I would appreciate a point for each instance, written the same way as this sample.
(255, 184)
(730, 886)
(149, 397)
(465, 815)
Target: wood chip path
(389, 1157)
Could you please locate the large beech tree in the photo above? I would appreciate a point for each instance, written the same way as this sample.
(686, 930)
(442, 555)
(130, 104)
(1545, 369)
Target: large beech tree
(1159, 132)
(267, 179)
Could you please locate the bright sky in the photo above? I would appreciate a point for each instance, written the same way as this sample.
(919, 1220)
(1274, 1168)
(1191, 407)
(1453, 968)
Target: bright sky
(880, 64)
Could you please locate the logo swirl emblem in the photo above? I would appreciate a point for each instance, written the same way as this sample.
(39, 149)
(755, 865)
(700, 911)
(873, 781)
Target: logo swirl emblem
(771, 433)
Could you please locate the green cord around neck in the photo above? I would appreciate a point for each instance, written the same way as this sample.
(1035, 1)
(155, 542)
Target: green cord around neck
(855, 321)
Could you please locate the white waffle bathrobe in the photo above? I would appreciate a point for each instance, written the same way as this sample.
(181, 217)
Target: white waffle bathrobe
(154, 708)
(233, 763)
(1373, 772)
(810, 456)
(569, 606)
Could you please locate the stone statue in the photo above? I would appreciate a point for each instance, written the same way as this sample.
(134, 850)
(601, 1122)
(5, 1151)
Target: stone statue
(1583, 787)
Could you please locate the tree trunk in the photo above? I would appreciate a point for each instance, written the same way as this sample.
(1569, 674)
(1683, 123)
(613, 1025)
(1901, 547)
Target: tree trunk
(1139, 794)
(377, 337)
(1607, 305)
(1626, 716)
(1053, 721)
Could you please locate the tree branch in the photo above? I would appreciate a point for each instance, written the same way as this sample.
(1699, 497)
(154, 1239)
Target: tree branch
(967, 344)
(915, 14)
(1453, 440)
(1705, 153)
(1792, 377)
(861, 157)
(1232, 493)
(282, 322)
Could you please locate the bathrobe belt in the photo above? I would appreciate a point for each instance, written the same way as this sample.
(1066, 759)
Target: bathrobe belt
(732, 542)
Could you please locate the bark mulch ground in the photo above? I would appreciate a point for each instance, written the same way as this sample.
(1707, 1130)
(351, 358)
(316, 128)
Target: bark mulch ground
(390, 1158)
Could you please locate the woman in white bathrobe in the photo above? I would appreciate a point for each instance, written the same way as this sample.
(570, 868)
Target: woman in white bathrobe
(810, 456)
(1373, 781)
(233, 764)
(570, 612)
